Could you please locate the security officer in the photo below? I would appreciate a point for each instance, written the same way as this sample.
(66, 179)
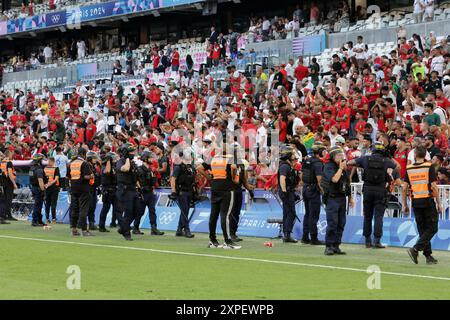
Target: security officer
(312, 172)
(147, 197)
(421, 179)
(7, 167)
(126, 193)
(287, 184)
(183, 187)
(52, 176)
(79, 174)
(108, 187)
(376, 182)
(240, 182)
(337, 184)
(222, 199)
(3, 181)
(37, 181)
(94, 183)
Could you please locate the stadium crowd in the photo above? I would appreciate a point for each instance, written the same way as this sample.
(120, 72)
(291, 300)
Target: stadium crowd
(400, 99)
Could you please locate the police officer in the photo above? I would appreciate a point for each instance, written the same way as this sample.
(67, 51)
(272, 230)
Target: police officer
(94, 183)
(8, 169)
(108, 187)
(312, 172)
(337, 184)
(3, 181)
(240, 182)
(147, 197)
(52, 176)
(287, 184)
(184, 190)
(37, 181)
(376, 182)
(126, 193)
(421, 179)
(79, 174)
(222, 199)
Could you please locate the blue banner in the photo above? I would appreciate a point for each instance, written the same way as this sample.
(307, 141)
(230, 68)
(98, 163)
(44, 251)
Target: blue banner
(86, 69)
(397, 232)
(56, 18)
(309, 45)
(91, 12)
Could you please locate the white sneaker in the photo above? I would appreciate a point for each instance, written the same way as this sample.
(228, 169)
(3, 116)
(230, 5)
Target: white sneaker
(214, 244)
(231, 246)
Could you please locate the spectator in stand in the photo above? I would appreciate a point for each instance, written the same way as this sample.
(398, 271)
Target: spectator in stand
(314, 14)
(419, 9)
(429, 10)
(48, 54)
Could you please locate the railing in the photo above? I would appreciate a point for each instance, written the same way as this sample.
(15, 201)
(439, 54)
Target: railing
(394, 207)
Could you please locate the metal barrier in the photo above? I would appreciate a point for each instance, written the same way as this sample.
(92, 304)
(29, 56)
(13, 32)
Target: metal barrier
(358, 209)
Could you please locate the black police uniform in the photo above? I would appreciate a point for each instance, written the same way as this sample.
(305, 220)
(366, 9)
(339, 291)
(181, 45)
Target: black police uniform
(109, 184)
(93, 196)
(79, 195)
(238, 199)
(126, 196)
(2, 198)
(37, 172)
(147, 198)
(8, 190)
(336, 208)
(51, 193)
(185, 180)
(288, 198)
(312, 168)
(375, 193)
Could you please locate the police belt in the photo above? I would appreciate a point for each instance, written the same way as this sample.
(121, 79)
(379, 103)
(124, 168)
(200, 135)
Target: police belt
(337, 195)
(126, 187)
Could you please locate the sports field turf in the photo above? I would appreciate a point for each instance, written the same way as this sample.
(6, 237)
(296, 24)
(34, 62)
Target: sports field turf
(177, 268)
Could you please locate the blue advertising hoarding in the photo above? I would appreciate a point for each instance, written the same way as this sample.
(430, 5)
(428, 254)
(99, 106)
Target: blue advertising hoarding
(75, 16)
(397, 232)
(309, 45)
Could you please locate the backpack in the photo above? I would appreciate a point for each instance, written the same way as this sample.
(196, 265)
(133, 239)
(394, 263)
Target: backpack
(375, 173)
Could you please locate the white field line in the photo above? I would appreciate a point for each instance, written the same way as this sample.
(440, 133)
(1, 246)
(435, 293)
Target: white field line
(227, 257)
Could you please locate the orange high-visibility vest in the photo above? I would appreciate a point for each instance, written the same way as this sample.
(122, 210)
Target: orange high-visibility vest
(75, 169)
(219, 168)
(50, 174)
(419, 179)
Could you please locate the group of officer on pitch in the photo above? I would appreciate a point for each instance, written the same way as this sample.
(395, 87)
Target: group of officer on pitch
(329, 183)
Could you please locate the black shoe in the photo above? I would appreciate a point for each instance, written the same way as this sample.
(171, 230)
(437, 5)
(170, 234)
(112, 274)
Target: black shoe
(214, 244)
(179, 233)
(188, 234)
(378, 245)
(156, 232)
(37, 224)
(305, 241)
(431, 260)
(329, 251)
(128, 238)
(337, 250)
(87, 234)
(103, 230)
(289, 239)
(413, 254)
(137, 231)
(316, 242)
(235, 238)
(113, 225)
(11, 218)
(92, 227)
(369, 245)
(230, 245)
(75, 233)
(119, 231)
(4, 222)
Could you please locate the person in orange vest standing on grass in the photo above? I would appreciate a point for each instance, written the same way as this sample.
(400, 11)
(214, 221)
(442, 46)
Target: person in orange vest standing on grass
(52, 175)
(79, 173)
(421, 180)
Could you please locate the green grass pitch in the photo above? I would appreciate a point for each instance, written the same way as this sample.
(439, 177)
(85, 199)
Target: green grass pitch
(168, 267)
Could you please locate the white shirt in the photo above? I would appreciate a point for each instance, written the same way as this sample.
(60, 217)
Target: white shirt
(297, 123)
(48, 52)
(437, 64)
(362, 54)
(231, 121)
(43, 119)
(261, 137)
(290, 72)
(412, 156)
(441, 114)
(266, 25)
(101, 126)
(429, 5)
(418, 6)
(61, 162)
(82, 91)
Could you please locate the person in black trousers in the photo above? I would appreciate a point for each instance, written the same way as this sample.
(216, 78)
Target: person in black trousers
(51, 190)
(108, 187)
